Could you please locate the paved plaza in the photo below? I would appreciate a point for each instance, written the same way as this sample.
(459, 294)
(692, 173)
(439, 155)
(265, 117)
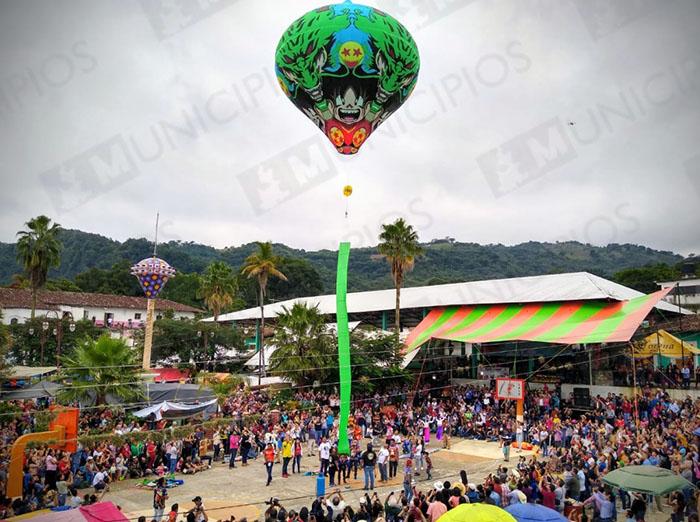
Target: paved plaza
(242, 491)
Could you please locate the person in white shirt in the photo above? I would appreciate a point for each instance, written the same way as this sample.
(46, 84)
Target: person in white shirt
(418, 458)
(324, 454)
(75, 500)
(382, 460)
(99, 481)
(519, 434)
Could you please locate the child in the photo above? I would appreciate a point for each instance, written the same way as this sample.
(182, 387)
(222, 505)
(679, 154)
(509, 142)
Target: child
(172, 516)
(630, 516)
(428, 464)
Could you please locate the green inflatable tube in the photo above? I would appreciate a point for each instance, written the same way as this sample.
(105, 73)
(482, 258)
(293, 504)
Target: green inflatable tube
(341, 318)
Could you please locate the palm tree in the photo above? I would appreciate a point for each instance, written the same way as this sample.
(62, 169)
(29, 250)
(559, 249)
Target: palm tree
(218, 287)
(305, 349)
(38, 249)
(399, 246)
(262, 265)
(102, 367)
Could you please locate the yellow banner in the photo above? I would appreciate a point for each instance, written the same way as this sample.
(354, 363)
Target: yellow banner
(664, 344)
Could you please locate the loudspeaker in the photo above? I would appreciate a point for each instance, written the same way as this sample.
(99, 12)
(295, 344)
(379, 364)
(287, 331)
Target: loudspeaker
(582, 398)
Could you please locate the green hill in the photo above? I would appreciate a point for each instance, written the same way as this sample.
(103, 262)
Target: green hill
(444, 261)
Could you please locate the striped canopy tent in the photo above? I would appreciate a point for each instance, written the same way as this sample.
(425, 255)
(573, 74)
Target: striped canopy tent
(570, 322)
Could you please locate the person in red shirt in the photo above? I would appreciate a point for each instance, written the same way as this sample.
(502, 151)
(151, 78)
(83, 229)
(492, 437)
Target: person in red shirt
(269, 456)
(548, 495)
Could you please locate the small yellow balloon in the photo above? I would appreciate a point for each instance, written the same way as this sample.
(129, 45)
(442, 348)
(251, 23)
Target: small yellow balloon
(347, 191)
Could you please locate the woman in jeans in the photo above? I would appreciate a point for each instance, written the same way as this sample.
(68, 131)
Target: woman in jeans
(245, 447)
(297, 452)
(234, 442)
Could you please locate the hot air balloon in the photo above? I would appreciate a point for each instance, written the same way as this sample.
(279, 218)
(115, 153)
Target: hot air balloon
(153, 273)
(347, 191)
(347, 67)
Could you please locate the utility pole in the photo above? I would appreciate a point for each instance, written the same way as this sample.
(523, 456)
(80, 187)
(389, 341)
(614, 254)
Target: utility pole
(634, 389)
(680, 321)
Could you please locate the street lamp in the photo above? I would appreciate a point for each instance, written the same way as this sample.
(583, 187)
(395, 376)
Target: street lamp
(44, 329)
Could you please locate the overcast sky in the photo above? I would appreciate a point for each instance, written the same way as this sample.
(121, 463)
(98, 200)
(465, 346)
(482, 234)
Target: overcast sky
(532, 120)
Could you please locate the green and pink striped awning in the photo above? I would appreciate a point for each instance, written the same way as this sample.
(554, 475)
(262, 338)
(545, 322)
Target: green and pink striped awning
(562, 322)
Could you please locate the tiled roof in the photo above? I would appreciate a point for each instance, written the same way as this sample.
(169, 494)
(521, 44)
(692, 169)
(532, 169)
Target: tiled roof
(20, 298)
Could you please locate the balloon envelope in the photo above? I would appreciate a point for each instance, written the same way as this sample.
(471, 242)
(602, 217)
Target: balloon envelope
(347, 191)
(534, 513)
(152, 274)
(347, 67)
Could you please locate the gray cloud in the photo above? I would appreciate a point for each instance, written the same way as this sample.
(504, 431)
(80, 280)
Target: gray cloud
(111, 112)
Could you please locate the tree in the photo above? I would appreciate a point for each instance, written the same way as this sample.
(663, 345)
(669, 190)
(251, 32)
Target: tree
(302, 280)
(184, 289)
(62, 285)
(644, 278)
(399, 246)
(376, 361)
(116, 280)
(187, 339)
(38, 249)
(218, 287)
(28, 338)
(305, 348)
(222, 388)
(100, 368)
(262, 265)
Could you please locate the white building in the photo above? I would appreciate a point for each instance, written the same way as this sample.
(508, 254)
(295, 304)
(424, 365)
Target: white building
(117, 311)
(686, 292)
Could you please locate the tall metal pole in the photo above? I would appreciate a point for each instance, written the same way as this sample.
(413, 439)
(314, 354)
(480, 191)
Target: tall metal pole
(634, 389)
(155, 241)
(680, 321)
(658, 346)
(148, 336)
(258, 344)
(59, 337)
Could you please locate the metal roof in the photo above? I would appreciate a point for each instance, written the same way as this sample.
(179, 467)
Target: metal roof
(27, 372)
(534, 289)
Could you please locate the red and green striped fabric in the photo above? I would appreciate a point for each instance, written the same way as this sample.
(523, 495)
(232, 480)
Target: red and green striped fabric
(565, 323)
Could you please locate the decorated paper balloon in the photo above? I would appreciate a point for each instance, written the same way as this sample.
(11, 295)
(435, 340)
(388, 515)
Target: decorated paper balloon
(347, 191)
(347, 67)
(153, 273)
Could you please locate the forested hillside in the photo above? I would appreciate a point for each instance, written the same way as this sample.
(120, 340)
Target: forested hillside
(444, 261)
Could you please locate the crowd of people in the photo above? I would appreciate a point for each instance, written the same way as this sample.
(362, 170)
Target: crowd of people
(390, 436)
(680, 375)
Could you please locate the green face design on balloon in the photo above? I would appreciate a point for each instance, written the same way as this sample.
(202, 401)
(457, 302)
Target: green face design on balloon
(347, 67)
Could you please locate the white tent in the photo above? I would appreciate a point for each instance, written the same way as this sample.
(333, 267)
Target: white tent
(535, 289)
(175, 410)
